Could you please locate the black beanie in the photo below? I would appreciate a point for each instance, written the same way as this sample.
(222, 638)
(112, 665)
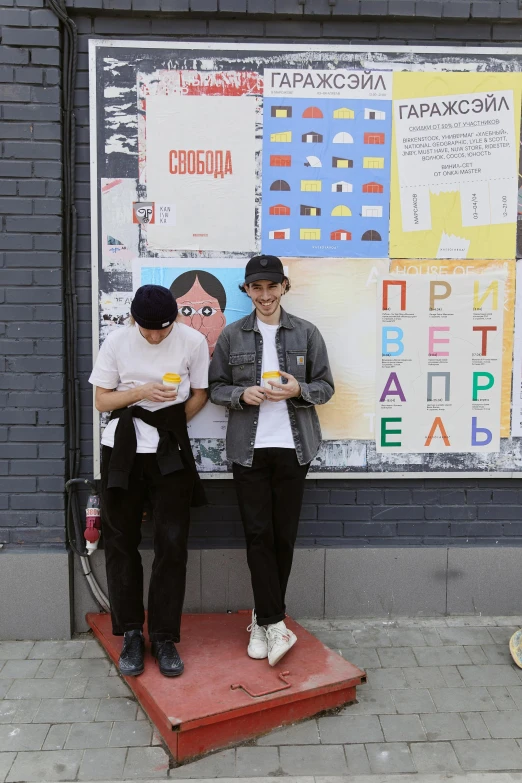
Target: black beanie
(154, 307)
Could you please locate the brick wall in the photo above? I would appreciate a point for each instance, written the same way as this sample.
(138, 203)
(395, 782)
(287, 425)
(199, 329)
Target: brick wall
(31, 331)
(336, 512)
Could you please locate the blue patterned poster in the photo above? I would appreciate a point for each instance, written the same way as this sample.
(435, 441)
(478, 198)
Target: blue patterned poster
(326, 163)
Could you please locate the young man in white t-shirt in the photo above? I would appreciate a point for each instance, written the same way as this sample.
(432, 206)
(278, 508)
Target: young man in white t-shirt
(273, 434)
(146, 454)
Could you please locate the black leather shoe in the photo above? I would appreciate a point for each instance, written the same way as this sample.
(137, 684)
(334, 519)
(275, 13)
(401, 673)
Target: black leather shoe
(132, 656)
(170, 663)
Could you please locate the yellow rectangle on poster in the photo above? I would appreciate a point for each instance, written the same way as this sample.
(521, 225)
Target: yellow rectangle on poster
(432, 219)
(415, 267)
(339, 296)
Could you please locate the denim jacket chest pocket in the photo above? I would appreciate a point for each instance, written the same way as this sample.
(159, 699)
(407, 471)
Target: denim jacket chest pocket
(243, 368)
(296, 364)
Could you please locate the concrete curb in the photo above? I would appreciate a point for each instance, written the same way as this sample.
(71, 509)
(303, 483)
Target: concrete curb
(443, 777)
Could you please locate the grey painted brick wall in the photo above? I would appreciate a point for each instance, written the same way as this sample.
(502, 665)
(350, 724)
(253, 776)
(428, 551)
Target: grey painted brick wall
(32, 433)
(336, 512)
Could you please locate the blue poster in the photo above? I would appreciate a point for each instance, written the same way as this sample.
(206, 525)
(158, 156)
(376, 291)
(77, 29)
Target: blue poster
(326, 177)
(208, 297)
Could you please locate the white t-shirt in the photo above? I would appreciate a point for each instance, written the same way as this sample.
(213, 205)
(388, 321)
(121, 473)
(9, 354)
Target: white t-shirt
(126, 360)
(273, 429)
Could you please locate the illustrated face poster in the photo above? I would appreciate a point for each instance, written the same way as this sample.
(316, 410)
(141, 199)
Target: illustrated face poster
(326, 163)
(455, 165)
(208, 298)
(439, 371)
(352, 166)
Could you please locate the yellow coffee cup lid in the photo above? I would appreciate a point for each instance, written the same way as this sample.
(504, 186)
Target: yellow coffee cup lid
(272, 374)
(172, 377)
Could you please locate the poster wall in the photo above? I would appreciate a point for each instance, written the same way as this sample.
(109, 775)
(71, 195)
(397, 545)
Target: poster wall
(355, 168)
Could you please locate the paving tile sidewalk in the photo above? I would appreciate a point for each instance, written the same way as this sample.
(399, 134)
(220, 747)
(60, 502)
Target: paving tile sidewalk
(443, 701)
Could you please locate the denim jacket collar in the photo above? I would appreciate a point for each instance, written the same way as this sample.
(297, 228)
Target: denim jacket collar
(251, 321)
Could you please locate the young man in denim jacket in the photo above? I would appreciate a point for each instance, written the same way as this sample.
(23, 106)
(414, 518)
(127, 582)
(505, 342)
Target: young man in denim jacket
(273, 435)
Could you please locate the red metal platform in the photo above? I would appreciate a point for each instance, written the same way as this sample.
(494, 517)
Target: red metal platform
(224, 697)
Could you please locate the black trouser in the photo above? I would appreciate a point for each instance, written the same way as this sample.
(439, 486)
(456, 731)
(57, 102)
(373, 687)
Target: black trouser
(270, 495)
(122, 512)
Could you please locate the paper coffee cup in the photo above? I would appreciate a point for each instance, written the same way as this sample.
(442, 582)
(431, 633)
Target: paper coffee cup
(271, 375)
(172, 380)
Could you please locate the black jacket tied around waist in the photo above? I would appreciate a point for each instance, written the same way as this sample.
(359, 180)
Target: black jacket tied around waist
(174, 451)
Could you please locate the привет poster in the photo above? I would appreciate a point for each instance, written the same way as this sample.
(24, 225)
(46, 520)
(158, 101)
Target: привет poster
(439, 371)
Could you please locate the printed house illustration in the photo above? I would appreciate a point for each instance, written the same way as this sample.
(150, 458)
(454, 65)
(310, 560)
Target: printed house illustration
(344, 114)
(341, 235)
(342, 163)
(372, 187)
(310, 211)
(281, 160)
(309, 233)
(281, 111)
(342, 187)
(312, 138)
(279, 184)
(374, 114)
(313, 161)
(281, 233)
(374, 138)
(371, 236)
(284, 136)
(279, 209)
(343, 138)
(313, 113)
(371, 211)
(373, 163)
(341, 210)
(311, 185)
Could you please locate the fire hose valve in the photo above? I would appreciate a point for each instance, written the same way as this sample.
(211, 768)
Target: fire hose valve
(92, 523)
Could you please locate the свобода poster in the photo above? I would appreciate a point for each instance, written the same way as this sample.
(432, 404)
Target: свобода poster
(201, 164)
(439, 368)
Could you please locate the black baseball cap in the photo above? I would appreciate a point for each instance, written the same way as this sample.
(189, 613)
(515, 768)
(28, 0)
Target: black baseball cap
(264, 268)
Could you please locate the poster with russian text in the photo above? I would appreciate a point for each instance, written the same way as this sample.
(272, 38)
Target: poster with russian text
(326, 163)
(458, 268)
(439, 366)
(454, 165)
(201, 172)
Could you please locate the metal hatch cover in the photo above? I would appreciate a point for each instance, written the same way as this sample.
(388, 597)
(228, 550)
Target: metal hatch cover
(224, 697)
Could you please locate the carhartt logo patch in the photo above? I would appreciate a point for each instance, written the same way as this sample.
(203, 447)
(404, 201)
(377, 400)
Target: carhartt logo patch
(300, 360)
(165, 324)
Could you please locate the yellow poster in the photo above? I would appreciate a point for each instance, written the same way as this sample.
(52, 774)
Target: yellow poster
(339, 296)
(473, 268)
(454, 177)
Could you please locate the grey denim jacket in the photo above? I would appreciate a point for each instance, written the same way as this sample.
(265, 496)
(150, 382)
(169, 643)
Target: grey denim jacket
(236, 364)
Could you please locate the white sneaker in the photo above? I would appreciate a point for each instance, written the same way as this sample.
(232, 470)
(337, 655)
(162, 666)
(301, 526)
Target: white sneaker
(257, 647)
(280, 639)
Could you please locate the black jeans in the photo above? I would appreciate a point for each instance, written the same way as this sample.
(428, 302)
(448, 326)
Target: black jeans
(122, 512)
(270, 495)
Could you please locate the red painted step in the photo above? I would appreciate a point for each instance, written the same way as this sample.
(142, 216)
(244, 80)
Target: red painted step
(224, 697)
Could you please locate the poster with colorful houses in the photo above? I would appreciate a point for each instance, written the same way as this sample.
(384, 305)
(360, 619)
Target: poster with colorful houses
(326, 166)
